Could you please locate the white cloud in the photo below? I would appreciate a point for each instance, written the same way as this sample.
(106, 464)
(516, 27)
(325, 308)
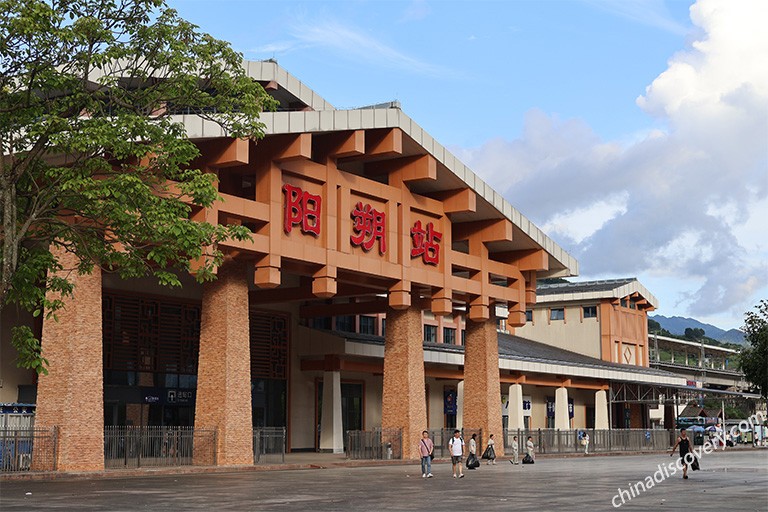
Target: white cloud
(692, 200)
(349, 43)
(417, 10)
(648, 12)
(580, 223)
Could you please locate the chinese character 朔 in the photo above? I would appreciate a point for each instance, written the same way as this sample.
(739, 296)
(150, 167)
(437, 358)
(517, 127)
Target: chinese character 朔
(370, 225)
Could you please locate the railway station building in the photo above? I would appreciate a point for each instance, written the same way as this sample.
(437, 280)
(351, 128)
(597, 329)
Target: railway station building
(385, 286)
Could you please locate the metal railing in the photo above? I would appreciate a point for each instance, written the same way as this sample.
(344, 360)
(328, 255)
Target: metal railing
(134, 447)
(570, 441)
(269, 445)
(375, 444)
(28, 449)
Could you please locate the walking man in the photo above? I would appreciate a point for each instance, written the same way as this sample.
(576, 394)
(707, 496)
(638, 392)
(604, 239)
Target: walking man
(426, 449)
(685, 447)
(456, 446)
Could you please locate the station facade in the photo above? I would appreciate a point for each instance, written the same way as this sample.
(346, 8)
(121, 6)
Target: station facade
(385, 286)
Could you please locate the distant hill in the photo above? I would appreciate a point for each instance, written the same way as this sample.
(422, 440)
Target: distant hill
(678, 324)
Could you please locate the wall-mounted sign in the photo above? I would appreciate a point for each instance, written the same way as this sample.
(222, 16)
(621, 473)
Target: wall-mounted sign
(449, 401)
(426, 243)
(301, 209)
(526, 405)
(370, 226)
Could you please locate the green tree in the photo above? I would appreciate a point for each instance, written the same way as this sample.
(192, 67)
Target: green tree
(754, 358)
(89, 142)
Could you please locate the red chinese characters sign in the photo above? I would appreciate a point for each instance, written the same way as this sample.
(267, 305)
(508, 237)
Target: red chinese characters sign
(301, 209)
(426, 243)
(369, 225)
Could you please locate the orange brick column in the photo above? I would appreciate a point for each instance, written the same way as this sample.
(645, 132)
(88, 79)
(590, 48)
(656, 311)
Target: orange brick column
(404, 400)
(224, 366)
(482, 388)
(71, 396)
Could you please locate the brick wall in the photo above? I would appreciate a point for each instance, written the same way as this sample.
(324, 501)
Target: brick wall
(482, 390)
(404, 399)
(71, 396)
(224, 367)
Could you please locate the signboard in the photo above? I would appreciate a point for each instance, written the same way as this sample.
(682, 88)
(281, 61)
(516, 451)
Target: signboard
(369, 225)
(550, 407)
(505, 405)
(449, 401)
(168, 396)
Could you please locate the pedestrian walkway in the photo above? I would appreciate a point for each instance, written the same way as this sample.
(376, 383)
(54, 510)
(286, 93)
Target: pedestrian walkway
(728, 480)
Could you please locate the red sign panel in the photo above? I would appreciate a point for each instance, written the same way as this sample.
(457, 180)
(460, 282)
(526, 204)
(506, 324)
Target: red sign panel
(426, 243)
(370, 225)
(301, 209)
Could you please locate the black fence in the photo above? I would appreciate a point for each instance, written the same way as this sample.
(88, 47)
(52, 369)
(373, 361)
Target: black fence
(269, 445)
(134, 447)
(28, 449)
(572, 441)
(383, 444)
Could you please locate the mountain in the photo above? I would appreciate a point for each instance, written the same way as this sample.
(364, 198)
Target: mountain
(678, 324)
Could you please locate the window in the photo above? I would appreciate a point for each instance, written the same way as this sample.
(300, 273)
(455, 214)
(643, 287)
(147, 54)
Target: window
(383, 326)
(529, 315)
(624, 303)
(449, 335)
(430, 333)
(463, 337)
(323, 322)
(590, 311)
(557, 314)
(368, 325)
(345, 323)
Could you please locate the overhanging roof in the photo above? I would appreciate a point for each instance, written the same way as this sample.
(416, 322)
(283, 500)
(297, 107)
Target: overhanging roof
(521, 354)
(327, 119)
(593, 290)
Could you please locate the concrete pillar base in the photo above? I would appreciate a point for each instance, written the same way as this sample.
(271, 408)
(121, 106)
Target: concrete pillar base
(331, 428)
(601, 410)
(562, 421)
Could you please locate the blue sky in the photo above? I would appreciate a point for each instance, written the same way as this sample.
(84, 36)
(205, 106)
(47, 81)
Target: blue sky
(634, 132)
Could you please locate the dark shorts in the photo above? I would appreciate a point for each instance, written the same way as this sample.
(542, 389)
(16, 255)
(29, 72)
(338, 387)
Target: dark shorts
(456, 459)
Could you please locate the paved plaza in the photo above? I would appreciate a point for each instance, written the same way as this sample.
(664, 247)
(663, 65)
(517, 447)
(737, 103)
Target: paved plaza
(731, 480)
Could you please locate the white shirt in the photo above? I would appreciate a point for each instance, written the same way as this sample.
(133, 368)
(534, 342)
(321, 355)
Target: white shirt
(472, 446)
(457, 446)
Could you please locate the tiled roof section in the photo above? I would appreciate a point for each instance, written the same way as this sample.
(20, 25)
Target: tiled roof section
(516, 347)
(523, 349)
(583, 287)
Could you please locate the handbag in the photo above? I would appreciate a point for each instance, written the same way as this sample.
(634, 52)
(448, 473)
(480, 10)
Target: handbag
(486, 453)
(432, 453)
(527, 459)
(695, 464)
